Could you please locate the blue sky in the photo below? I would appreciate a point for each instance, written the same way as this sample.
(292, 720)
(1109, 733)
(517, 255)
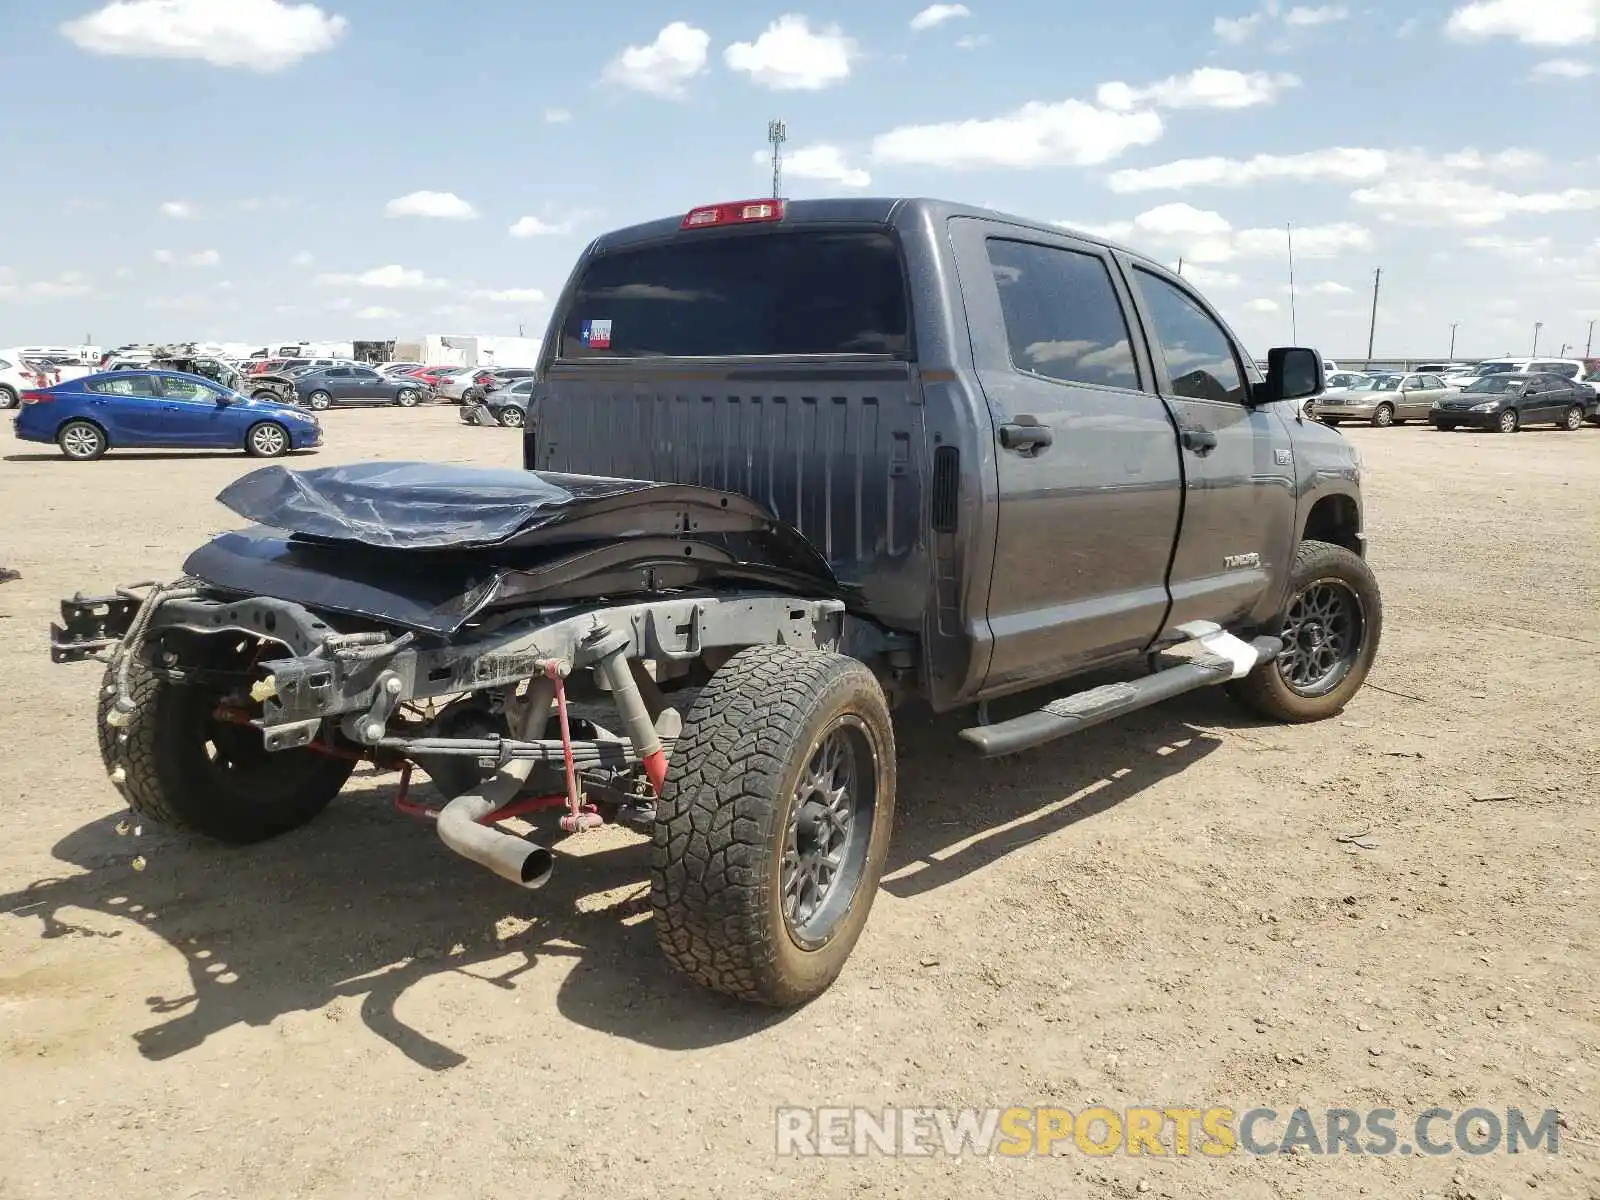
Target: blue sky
(259, 169)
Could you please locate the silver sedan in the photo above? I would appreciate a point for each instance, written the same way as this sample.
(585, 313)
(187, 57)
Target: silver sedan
(1388, 400)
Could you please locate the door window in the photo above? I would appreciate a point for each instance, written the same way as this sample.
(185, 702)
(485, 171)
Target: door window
(337, 373)
(126, 385)
(1063, 319)
(174, 388)
(364, 376)
(1200, 357)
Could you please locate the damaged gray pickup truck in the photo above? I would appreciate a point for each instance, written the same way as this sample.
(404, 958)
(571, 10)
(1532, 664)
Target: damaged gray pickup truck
(788, 465)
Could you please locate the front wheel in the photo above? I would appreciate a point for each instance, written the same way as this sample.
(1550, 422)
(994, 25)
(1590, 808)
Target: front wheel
(512, 417)
(176, 763)
(1445, 426)
(406, 398)
(267, 440)
(1384, 417)
(82, 441)
(266, 397)
(1509, 421)
(1330, 633)
(1572, 419)
(320, 401)
(773, 828)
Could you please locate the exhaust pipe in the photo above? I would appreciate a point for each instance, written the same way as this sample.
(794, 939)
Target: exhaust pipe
(508, 856)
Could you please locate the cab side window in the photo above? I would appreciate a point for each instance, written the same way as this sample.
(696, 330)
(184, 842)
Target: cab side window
(1200, 356)
(1063, 319)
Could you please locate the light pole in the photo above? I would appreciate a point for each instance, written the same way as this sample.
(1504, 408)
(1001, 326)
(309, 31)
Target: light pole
(1454, 325)
(1294, 320)
(1589, 349)
(1537, 325)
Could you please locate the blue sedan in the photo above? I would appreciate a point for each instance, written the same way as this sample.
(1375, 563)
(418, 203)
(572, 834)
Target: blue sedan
(160, 410)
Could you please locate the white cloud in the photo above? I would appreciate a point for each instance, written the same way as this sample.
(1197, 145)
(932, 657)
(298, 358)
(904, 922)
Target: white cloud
(1236, 29)
(1263, 306)
(178, 210)
(1562, 68)
(512, 296)
(1339, 164)
(789, 56)
(938, 14)
(376, 312)
(123, 273)
(1330, 288)
(664, 66)
(972, 41)
(1465, 202)
(392, 276)
(557, 116)
(258, 35)
(1207, 87)
(1199, 235)
(1070, 133)
(1534, 22)
(69, 285)
(201, 258)
(821, 162)
(445, 206)
(531, 226)
(1205, 277)
(1324, 15)
(304, 259)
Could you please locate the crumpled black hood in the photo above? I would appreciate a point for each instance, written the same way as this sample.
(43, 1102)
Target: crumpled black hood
(437, 506)
(430, 547)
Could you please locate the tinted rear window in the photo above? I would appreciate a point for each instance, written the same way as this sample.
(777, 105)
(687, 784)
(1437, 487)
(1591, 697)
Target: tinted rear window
(773, 294)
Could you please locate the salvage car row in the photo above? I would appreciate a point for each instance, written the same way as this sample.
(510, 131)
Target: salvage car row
(1502, 395)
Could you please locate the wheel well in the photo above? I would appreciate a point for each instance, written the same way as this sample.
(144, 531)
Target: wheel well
(84, 421)
(1335, 519)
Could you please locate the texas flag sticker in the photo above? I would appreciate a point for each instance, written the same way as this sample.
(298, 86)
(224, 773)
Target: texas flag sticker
(597, 335)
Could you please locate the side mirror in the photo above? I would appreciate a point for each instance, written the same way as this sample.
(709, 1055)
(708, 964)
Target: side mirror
(1293, 373)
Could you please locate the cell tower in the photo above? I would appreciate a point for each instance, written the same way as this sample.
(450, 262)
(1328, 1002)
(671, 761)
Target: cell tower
(777, 134)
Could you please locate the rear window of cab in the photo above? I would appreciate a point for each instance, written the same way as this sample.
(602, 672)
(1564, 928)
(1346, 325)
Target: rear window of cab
(778, 294)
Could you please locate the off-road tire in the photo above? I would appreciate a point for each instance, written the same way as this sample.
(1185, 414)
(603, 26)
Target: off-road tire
(8, 396)
(722, 822)
(1265, 691)
(168, 778)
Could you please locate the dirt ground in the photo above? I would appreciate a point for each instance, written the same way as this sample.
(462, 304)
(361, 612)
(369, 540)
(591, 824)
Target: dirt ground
(1159, 912)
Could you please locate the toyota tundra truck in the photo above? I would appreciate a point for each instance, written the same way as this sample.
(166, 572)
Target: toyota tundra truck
(788, 467)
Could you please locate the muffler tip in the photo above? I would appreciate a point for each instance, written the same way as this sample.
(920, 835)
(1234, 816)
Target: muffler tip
(537, 868)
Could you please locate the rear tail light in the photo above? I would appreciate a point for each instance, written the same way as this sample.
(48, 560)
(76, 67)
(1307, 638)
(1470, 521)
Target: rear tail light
(37, 397)
(740, 212)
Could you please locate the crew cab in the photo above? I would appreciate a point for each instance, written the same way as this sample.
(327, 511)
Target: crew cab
(786, 465)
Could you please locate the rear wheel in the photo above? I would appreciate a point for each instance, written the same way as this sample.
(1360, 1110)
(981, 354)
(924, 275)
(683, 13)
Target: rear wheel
(1330, 633)
(82, 441)
(267, 440)
(181, 766)
(773, 828)
(1572, 419)
(8, 396)
(512, 417)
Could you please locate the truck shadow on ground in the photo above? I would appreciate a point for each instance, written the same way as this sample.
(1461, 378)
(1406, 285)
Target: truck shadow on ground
(367, 904)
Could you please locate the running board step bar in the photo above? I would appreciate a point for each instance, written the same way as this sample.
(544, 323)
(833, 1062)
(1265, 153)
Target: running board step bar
(1226, 657)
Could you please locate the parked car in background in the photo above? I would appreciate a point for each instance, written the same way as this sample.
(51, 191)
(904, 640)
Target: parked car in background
(434, 377)
(159, 410)
(1384, 401)
(398, 368)
(466, 387)
(505, 377)
(1344, 379)
(322, 388)
(17, 377)
(506, 405)
(1505, 401)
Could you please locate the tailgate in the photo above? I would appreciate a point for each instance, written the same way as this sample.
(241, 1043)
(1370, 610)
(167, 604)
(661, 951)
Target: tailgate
(835, 451)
